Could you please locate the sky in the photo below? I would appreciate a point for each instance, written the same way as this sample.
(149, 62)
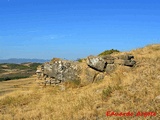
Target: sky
(71, 29)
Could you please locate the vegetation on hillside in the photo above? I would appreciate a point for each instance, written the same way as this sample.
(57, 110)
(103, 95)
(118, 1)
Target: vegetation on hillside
(124, 90)
(79, 60)
(31, 66)
(34, 66)
(14, 76)
(10, 71)
(13, 66)
(108, 52)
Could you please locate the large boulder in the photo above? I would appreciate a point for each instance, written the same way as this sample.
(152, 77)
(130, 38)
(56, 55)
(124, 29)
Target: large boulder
(97, 63)
(91, 75)
(125, 57)
(126, 60)
(130, 63)
(62, 70)
(108, 59)
(47, 69)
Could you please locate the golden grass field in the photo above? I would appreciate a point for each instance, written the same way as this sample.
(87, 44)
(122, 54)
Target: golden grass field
(126, 89)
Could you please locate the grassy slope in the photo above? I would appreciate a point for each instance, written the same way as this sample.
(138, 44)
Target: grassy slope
(13, 85)
(126, 89)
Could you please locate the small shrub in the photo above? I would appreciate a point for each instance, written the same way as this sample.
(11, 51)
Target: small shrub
(108, 52)
(79, 60)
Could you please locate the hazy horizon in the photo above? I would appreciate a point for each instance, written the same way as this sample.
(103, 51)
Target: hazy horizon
(69, 58)
(71, 29)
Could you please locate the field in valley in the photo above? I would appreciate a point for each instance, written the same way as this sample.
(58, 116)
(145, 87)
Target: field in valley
(124, 90)
(16, 85)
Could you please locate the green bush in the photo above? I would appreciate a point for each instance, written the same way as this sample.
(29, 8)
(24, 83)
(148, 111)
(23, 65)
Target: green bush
(79, 60)
(108, 52)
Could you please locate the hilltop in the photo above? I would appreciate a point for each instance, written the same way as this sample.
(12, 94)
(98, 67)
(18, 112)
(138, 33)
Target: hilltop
(124, 90)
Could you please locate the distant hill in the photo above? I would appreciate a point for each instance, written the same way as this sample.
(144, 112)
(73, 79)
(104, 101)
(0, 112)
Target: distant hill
(22, 60)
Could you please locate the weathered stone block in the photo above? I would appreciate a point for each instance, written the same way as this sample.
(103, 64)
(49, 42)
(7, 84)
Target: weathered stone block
(97, 63)
(126, 57)
(130, 63)
(62, 70)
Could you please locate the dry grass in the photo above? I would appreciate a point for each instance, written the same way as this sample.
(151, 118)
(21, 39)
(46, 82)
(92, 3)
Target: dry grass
(13, 85)
(126, 89)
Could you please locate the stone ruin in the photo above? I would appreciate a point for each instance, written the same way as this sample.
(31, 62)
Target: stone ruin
(92, 69)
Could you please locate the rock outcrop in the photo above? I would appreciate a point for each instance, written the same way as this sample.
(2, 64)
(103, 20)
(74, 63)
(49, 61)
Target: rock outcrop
(62, 70)
(126, 60)
(93, 69)
(97, 63)
(107, 63)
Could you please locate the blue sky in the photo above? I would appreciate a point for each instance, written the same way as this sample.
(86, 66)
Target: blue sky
(74, 29)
